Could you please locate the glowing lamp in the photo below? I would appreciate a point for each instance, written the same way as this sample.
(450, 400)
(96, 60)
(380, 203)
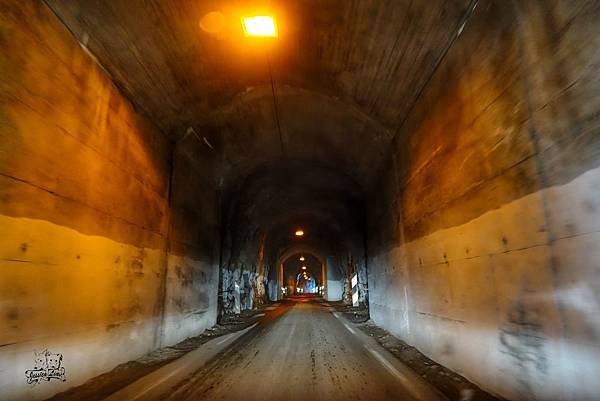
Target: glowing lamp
(301, 258)
(299, 233)
(260, 26)
(303, 267)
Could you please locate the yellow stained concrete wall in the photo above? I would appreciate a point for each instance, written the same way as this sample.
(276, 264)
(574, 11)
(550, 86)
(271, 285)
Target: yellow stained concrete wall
(87, 297)
(84, 214)
(484, 240)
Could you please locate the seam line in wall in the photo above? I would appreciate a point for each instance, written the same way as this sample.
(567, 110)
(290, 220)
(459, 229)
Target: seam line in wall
(534, 137)
(80, 203)
(146, 185)
(119, 88)
(457, 31)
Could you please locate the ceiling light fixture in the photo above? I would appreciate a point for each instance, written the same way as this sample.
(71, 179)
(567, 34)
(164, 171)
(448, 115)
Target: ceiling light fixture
(301, 258)
(260, 26)
(299, 233)
(303, 267)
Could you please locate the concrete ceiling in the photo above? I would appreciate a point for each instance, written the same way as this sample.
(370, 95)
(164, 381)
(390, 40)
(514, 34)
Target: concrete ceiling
(346, 72)
(281, 197)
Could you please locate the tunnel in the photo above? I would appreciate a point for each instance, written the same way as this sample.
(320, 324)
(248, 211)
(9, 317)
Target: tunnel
(307, 274)
(290, 200)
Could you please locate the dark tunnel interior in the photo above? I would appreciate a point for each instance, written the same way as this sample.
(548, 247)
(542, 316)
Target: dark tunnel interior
(164, 167)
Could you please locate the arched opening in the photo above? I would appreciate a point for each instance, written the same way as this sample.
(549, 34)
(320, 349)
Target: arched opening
(302, 274)
(302, 267)
(267, 208)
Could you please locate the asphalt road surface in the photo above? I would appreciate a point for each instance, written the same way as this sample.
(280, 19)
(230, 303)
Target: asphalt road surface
(303, 352)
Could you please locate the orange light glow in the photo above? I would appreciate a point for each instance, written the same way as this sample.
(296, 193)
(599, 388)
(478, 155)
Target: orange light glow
(301, 258)
(213, 22)
(299, 233)
(303, 267)
(261, 25)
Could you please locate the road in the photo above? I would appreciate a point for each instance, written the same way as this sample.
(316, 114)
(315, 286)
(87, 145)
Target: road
(304, 352)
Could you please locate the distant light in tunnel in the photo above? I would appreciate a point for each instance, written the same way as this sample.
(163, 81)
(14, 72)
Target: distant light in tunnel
(301, 258)
(260, 25)
(299, 233)
(303, 267)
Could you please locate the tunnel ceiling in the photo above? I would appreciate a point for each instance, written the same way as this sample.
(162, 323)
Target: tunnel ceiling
(346, 72)
(282, 196)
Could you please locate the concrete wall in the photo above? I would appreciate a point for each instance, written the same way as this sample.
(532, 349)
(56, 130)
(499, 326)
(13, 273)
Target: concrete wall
(334, 290)
(484, 230)
(190, 298)
(84, 216)
(335, 280)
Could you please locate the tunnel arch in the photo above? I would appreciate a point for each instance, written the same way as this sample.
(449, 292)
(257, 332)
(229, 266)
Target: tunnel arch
(345, 137)
(142, 159)
(274, 199)
(301, 249)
